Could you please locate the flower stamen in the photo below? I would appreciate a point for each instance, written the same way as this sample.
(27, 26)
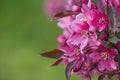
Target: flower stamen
(105, 55)
(102, 21)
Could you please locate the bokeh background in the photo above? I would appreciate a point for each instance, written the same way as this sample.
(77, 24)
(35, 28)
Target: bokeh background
(25, 32)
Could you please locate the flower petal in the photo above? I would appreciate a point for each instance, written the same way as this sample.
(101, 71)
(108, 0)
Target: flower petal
(75, 39)
(102, 65)
(113, 65)
(112, 52)
(95, 56)
(84, 43)
(93, 36)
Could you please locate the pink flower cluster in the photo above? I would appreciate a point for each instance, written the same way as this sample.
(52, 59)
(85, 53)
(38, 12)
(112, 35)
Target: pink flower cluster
(91, 38)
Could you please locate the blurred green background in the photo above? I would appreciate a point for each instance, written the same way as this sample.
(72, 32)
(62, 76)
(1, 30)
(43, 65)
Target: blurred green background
(25, 32)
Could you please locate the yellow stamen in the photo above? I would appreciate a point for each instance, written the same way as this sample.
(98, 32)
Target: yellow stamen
(102, 20)
(105, 55)
(77, 51)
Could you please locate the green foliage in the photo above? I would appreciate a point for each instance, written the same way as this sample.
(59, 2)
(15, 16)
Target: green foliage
(95, 1)
(25, 32)
(118, 35)
(113, 39)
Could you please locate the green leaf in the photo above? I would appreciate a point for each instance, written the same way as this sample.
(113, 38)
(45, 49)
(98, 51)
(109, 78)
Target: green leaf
(118, 35)
(113, 39)
(95, 1)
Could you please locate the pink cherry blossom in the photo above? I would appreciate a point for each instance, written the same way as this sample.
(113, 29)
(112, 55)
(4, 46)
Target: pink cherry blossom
(100, 20)
(88, 37)
(105, 59)
(78, 39)
(78, 26)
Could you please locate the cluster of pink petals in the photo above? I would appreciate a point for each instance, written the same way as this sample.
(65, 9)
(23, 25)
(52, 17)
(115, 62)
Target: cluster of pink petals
(86, 36)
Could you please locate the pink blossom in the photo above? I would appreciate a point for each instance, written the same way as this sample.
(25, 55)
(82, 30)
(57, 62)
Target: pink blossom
(78, 26)
(105, 59)
(65, 22)
(78, 39)
(118, 44)
(100, 20)
(88, 37)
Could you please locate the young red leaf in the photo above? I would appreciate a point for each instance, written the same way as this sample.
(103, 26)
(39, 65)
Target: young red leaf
(110, 76)
(101, 77)
(64, 14)
(101, 5)
(69, 68)
(112, 16)
(55, 54)
(57, 62)
(78, 2)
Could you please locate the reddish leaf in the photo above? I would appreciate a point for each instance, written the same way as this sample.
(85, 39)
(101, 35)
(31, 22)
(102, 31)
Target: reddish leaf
(57, 62)
(110, 76)
(69, 68)
(101, 5)
(64, 14)
(101, 77)
(55, 54)
(77, 2)
(112, 16)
